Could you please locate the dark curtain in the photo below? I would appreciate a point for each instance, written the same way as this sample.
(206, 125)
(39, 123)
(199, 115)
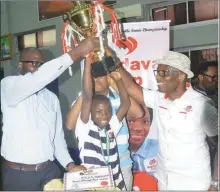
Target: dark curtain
(180, 13)
(192, 15)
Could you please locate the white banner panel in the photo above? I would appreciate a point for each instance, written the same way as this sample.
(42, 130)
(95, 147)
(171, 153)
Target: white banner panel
(146, 41)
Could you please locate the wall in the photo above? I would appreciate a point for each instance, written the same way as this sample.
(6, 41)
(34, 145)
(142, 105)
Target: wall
(194, 35)
(197, 34)
(4, 29)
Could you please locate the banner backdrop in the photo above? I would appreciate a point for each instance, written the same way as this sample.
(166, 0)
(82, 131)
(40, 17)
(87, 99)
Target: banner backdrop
(146, 41)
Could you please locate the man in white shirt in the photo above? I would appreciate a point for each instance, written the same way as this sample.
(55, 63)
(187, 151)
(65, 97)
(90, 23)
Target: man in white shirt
(184, 117)
(32, 125)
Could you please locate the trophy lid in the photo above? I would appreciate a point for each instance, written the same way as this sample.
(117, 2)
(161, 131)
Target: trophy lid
(81, 15)
(79, 6)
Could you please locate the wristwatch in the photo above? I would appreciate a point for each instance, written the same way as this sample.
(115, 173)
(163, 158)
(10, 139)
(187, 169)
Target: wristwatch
(214, 184)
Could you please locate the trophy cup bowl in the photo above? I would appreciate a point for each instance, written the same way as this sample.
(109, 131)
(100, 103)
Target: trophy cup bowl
(82, 18)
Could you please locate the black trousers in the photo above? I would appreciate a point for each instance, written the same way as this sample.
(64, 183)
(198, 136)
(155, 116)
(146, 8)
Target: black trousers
(18, 180)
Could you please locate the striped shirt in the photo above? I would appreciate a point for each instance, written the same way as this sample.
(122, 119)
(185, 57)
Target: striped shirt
(91, 138)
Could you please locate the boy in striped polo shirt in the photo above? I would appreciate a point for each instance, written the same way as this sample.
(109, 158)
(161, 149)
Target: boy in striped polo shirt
(96, 133)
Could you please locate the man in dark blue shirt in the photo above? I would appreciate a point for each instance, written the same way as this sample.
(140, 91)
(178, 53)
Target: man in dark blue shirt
(207, 85)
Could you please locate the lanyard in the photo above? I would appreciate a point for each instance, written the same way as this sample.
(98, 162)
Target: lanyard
(107, 147)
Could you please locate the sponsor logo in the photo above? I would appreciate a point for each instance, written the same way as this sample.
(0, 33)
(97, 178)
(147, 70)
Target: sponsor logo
(104, 183)
(188, 108)
(130, 43)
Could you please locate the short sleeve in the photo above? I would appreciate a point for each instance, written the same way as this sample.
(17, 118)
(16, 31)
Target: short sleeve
(82, 129)
(150, 98)
(115, 124)
(210, 120)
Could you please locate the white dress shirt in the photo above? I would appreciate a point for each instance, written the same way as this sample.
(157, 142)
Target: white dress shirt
(183, 157)
(32, 122)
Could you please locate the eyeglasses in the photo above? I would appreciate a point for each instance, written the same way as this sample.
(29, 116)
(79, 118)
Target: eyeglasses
(36, 64)
(164, 73)
(213, 78)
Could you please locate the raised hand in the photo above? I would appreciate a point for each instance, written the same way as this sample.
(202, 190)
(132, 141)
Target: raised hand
(89, 59)
(85, 47)
(89, 45)
(115, 75)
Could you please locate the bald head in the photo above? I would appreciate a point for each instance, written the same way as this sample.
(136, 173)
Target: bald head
(31, 58)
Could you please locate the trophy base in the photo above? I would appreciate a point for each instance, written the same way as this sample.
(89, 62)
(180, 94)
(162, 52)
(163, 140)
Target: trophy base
(102, 68)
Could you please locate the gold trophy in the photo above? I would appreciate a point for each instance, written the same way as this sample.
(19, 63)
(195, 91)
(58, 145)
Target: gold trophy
(85, 18)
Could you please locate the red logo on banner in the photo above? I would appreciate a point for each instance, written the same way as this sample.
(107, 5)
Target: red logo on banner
(129, 43)
(104, 183)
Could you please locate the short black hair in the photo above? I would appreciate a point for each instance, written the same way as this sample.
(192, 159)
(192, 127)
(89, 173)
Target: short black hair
(27, 50)
(150, 110)
(99, 97)
(203, 67)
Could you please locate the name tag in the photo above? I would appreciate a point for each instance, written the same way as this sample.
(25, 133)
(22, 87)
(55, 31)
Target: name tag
(150, 164)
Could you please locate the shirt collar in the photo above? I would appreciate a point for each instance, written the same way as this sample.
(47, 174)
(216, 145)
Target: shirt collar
(142, 150)
(188, 93)
(200, 90)
(42, 91)
(107, 128)
(204, 91)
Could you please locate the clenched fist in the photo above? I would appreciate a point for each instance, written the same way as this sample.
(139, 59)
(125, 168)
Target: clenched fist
(89, 45)
(115, 75)
(85, 47)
